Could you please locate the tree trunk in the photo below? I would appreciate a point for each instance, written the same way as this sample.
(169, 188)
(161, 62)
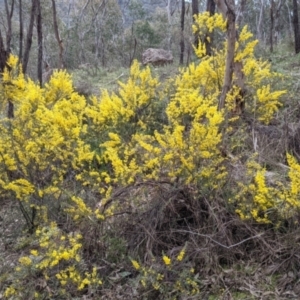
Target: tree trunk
(169, 30)
(277, 24)
(259, 23)
(271, 24)
(3, 54)
(29, 36)
(228, 10)
(58, 39)
(195, 11)
(290, 31)
(9, 15)
(296, 26)
(40, 43)
(240, 14)
(21, 31)
(211, 8)
(182, 32)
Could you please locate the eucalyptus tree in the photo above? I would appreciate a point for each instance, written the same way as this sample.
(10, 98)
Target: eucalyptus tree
(296, 26)
(211, 8)
(182, 31)
(90, 29)
(195, 11)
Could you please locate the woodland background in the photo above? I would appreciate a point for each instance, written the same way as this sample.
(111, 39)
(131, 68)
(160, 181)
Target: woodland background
(113, 33)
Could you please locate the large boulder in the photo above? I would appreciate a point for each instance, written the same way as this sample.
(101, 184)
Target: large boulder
(157, 57)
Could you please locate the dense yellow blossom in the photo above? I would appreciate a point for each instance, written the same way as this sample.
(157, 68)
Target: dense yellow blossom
(61, 258)
(265, 203)
(181, 255)
(208, 74)
(135, 264)
(166, 260)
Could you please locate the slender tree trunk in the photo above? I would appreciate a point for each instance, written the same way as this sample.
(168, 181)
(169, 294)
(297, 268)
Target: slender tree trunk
(21, 31)
(211, 8)
(182, 31)
(9, 15)
(228, 10)
(195, 12)
(290, 21)
(3, 54)
(6, 52)
(240, 14)
(58, 39)
(169, 30)
(276, 22)
(259, 23)
(271, 25)
(296, 26)
(40, 43)
(29, 36)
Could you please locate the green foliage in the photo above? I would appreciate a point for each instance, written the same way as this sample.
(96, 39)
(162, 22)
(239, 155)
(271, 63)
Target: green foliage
(136, 10)
(146, 34)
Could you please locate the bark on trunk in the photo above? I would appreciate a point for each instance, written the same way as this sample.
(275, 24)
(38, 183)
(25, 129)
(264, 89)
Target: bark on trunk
(276, 22)
(182, 31)
(21, 31)
(240, 14)
(211, 8)
(3, 54)
(271, 25)
(296, 26)
(259, 23)
(9, 15)
(58, 39)
(40, 43)
(195, 11)
(227, 8)
(228, 11)
(29, 36)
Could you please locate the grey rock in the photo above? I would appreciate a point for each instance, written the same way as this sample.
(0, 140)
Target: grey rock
(157, 57)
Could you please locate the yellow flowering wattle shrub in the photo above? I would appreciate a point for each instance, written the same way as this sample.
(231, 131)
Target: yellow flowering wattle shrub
(57, 261)
(269, 202)
(261, 100)
(42, 150)
(42, 147)
(133, 148)
(62, 158)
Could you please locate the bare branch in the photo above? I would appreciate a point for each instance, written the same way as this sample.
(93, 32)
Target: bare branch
(218, 243)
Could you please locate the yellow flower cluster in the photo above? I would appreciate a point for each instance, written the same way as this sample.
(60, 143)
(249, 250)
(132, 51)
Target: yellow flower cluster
(57, 257)
(205, 22)
(269, 204)
(181, 255)
(184, 281)
(44, 142)
(257, 73)
(166, 260)
(135, 264)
